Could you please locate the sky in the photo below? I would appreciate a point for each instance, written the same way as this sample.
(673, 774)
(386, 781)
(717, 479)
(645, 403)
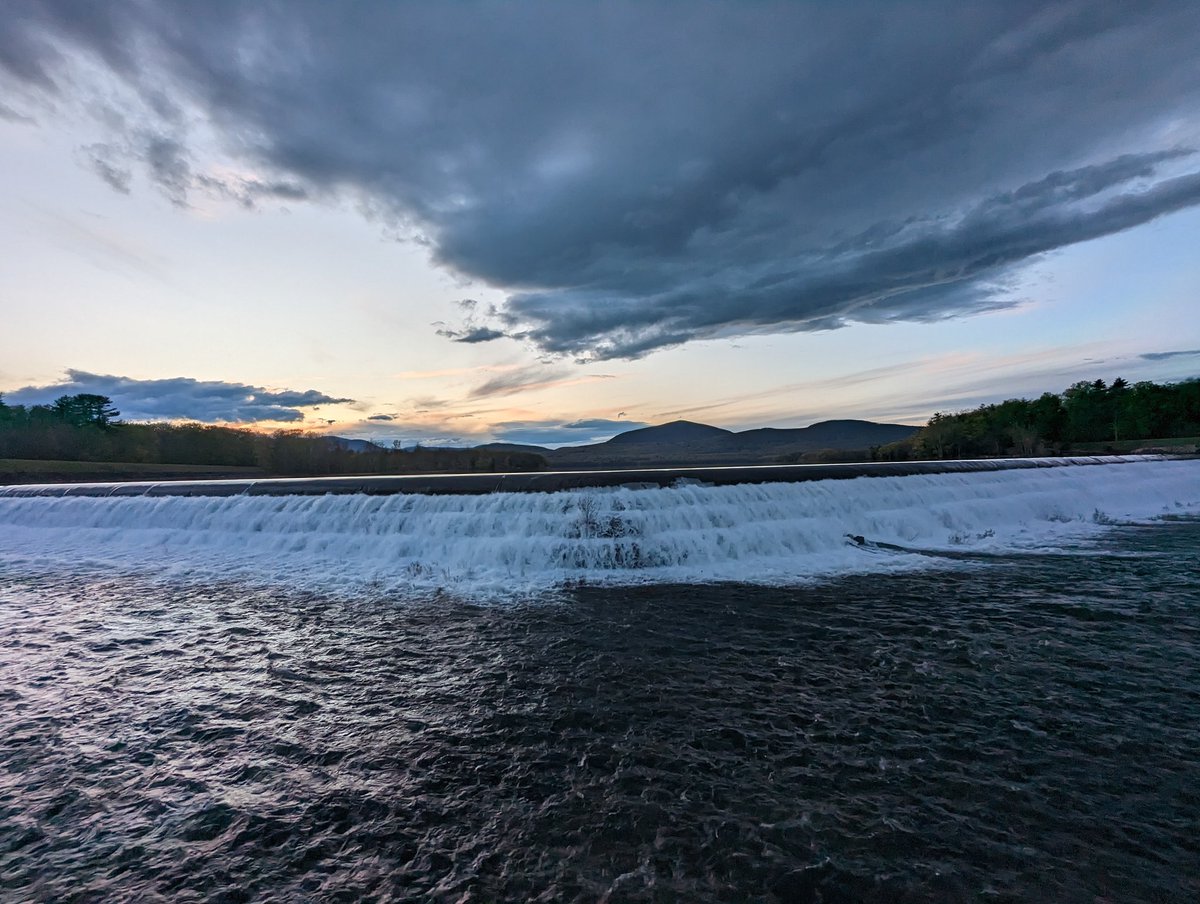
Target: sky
(549, 222)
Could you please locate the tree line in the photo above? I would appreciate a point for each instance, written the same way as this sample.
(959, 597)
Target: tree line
(1085, 412)
(85, 427)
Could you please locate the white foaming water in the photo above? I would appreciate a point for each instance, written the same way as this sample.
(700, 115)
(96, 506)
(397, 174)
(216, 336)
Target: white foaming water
(506, 543)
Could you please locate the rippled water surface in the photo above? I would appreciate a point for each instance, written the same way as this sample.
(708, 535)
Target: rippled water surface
(1024, 729)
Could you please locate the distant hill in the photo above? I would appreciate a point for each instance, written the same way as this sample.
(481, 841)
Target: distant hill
(674, 433)
(341, 442)
(845, 434)
(352, 445)
(515, 447)
(687, 443)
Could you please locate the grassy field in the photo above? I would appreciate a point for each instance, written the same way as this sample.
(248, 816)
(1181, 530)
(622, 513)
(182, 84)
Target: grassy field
(1129, 445)
(17, 470)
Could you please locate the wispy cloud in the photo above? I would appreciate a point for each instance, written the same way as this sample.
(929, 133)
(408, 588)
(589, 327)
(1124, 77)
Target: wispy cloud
(436, 430)
(433, 374)
(602, 424)
(472, 332)
(553, 432)
(102, 243)
(1163, 356)
(535, 376)
(910, 390)
(473, 335)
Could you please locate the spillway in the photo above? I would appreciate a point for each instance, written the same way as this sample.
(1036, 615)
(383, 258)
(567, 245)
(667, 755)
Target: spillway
(551, 481)
(516, 542)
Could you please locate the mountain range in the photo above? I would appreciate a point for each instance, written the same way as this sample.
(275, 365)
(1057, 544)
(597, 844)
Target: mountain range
(681, 443)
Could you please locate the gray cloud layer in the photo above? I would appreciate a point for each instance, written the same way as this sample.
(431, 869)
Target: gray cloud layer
(642, 175)
(180, 398)
(1163, 356)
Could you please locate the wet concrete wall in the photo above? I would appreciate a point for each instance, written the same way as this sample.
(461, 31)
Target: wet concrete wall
(549, 481)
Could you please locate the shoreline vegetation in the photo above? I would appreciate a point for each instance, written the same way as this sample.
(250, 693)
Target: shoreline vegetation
(1087, 418)
(79, 439)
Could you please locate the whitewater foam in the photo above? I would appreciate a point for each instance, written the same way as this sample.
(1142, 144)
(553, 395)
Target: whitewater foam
(505, 543)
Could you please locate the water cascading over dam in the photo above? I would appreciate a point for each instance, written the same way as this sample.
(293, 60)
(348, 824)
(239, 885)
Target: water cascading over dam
(512, 542)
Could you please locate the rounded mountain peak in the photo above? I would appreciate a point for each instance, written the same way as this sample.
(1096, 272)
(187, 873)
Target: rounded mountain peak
(673, 432)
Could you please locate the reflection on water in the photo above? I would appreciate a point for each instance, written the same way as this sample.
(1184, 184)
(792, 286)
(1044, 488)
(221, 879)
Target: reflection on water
(1026, 730)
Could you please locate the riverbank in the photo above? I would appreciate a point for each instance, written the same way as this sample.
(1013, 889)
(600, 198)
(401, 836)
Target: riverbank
(26, 471)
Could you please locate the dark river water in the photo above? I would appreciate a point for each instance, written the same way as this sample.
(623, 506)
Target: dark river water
(1018, 729)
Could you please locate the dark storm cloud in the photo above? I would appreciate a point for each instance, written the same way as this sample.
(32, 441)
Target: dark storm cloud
(180, 398)
(642, 175)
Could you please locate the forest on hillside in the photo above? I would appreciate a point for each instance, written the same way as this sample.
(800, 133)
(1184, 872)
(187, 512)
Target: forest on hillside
(1083, 414)
(86, 428)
